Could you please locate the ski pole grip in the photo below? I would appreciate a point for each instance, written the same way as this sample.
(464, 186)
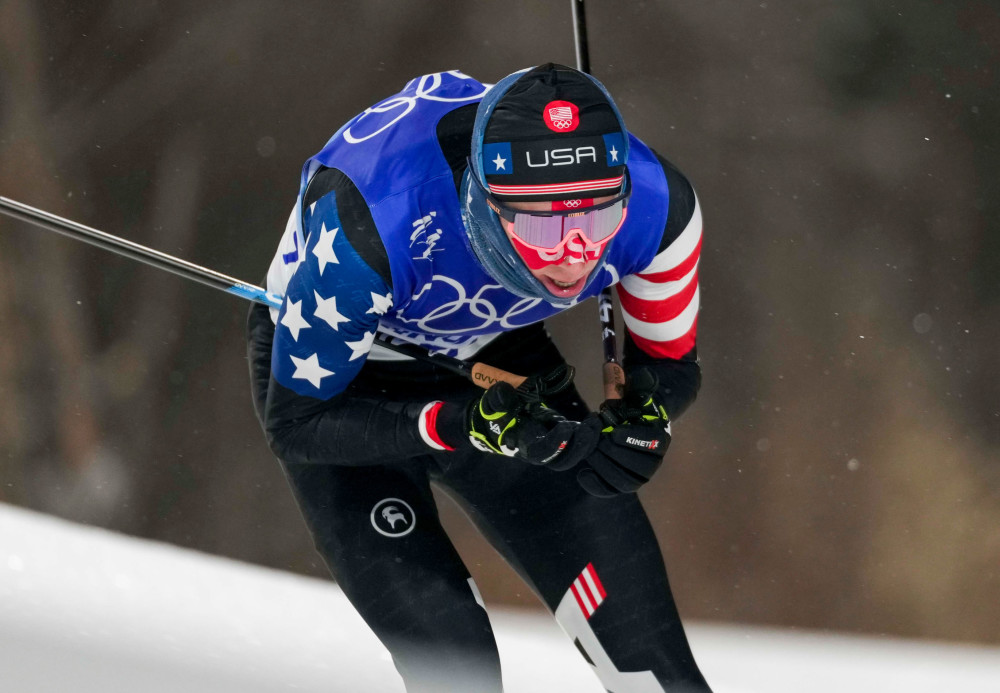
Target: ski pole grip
(487, 376)
(614, 380)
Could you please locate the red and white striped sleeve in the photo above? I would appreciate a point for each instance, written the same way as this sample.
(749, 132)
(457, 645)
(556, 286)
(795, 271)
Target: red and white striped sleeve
(660, 303)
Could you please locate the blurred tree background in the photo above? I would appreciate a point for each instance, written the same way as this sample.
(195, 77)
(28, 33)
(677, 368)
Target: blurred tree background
(841, 468)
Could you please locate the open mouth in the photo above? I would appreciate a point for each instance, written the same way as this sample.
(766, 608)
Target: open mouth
(564, 289)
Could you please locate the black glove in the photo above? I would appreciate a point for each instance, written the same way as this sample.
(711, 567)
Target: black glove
(635, 435)
(517, 423)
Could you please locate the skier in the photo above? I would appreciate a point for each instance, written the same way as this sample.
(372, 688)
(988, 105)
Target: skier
(457, 217)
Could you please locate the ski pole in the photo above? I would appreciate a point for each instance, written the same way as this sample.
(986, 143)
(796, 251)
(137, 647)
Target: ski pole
(613, 374)
(580, 37)
(480, 374)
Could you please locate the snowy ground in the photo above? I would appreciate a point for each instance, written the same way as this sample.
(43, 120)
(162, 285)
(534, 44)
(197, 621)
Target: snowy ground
(86, 610)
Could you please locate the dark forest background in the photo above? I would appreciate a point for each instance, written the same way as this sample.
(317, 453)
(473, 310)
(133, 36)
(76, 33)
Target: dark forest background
(841, 469)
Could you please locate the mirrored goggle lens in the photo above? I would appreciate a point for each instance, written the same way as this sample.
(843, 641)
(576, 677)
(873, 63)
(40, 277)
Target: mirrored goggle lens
(548, 231)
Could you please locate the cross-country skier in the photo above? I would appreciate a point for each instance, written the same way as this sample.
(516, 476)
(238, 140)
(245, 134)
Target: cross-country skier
(458, 217)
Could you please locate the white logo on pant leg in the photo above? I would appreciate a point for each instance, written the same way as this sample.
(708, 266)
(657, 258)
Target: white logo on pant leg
(392, 517)
(573, 614)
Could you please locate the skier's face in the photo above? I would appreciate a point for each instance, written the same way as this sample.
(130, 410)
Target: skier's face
(563, 270)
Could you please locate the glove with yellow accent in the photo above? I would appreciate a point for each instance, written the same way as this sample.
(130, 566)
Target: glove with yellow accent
(517, 423)
(635, 435)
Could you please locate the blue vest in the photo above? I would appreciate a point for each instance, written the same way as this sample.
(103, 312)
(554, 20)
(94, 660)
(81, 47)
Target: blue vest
(441, 296)
(391, 154)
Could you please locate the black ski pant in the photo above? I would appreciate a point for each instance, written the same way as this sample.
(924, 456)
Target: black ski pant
(594, 562)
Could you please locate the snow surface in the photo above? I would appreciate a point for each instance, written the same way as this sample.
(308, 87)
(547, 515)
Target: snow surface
(90, 611)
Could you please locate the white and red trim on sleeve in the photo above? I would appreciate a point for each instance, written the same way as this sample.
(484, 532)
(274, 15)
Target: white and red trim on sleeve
(427, 425)
(660, 303)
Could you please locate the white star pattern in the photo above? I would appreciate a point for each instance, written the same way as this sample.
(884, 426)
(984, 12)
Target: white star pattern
(362, 346)
(324, 248)
(613, 153)
(326, 310)
(293, 319)
(380, 304)
(309, 369)
(500, 162)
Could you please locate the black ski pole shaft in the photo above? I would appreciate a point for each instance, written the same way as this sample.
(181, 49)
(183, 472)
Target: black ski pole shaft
(614, 376)
(121, 246)
(580, 37)
(481, 374)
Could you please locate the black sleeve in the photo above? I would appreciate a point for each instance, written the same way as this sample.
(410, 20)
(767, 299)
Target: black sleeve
(347, 429)
(351, 428)
(679, 379)
(682, 203)
(355, 427)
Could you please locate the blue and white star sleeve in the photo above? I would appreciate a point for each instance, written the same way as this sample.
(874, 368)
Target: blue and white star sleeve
(327, 323)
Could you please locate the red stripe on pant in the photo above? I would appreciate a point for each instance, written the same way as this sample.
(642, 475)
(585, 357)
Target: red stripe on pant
(597, 580)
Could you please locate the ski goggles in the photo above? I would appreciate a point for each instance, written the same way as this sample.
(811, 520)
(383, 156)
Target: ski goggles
(577, 228)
